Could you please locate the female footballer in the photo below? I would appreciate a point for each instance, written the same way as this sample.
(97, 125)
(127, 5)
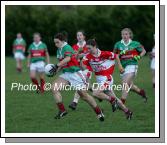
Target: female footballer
(72, 75)
(80, 50)
(36, 61)
(130, 52)
(102, 64)
(19, 46)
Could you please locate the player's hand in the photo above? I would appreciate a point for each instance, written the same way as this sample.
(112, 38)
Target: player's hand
(137, 57)
(121, 70)
(80, 50)
(123, 52)
(54, 69)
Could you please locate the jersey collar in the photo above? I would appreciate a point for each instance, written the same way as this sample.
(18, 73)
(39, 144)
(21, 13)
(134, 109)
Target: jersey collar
(122, 41)
(36, 45)
(98, 53)
(84, 43)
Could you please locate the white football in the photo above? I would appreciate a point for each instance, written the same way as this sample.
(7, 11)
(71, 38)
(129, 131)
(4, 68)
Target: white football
(48, 67)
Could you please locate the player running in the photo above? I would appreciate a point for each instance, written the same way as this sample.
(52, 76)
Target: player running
(152, 56)
(80, 50)
(72, 75)
(103, 63)
(130, 53)
(19, 46)
(36, 61)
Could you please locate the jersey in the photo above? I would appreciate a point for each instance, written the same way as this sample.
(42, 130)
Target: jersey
(132, 49)
(19, 45)
(37, 51)
(103, 64)
(72, 65)
(84, 51)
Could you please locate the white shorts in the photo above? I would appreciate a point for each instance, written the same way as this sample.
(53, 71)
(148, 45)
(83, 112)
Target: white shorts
(153, 63)
(19, 55)
(87, 74)
(38, 66)
(130, 69)
(105, 81)
(77, 80)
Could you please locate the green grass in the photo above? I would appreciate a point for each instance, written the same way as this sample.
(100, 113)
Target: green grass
(28, 112)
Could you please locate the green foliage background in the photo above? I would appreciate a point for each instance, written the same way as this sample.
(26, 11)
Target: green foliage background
(101, 22)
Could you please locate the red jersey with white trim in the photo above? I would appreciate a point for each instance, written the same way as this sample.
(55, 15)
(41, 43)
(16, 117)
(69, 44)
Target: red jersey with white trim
(84, 51)
(102, 64)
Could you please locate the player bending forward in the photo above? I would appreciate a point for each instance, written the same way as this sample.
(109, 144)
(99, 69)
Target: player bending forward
(72, 75)
(102, 63)
(36, 61)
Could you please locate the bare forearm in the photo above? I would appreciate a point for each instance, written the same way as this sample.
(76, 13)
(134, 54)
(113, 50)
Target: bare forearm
(64, 61)
(143, 52)
(47, 58)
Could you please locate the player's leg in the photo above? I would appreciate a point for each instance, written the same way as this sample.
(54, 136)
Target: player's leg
(18, 65)
(74, 103)
(153, 77)
(33, 75)
(91, 101)
(57, 86)
(41, 70)
(136, 89)
(127, 112)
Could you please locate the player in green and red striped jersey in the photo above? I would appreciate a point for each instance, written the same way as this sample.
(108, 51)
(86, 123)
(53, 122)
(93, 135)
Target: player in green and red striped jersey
(36, 61)
(19, 46)
(72, 75)
(130, 53)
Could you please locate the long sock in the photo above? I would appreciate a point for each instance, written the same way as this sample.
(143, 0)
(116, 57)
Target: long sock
(35, 81)
(142, 93)
(97, 110)
(61, 107)
(123, 100)
(112, 99)
(42, 84)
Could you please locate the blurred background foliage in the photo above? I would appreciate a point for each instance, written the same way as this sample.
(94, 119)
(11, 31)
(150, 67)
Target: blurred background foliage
(101, 22)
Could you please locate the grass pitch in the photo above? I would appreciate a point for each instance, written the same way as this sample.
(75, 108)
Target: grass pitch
(29, 112)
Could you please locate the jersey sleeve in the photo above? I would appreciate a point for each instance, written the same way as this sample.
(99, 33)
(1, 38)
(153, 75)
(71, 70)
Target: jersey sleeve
(109, 55)
(68, 51)
(139, 47)
(85, 60)
(45, 47)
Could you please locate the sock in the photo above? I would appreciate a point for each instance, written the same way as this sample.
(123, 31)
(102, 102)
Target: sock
(42, 84)
(61, 107)
(19, 69)
(142, 93)
(97, 110)
(123, 100)
(35, 81)
(112, 99)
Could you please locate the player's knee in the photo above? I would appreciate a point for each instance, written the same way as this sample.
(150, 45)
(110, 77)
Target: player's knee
(83, 94)
(96, 92)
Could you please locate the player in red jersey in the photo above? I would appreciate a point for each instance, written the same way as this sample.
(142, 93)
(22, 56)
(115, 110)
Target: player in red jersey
(81, 50)
(102, 64)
